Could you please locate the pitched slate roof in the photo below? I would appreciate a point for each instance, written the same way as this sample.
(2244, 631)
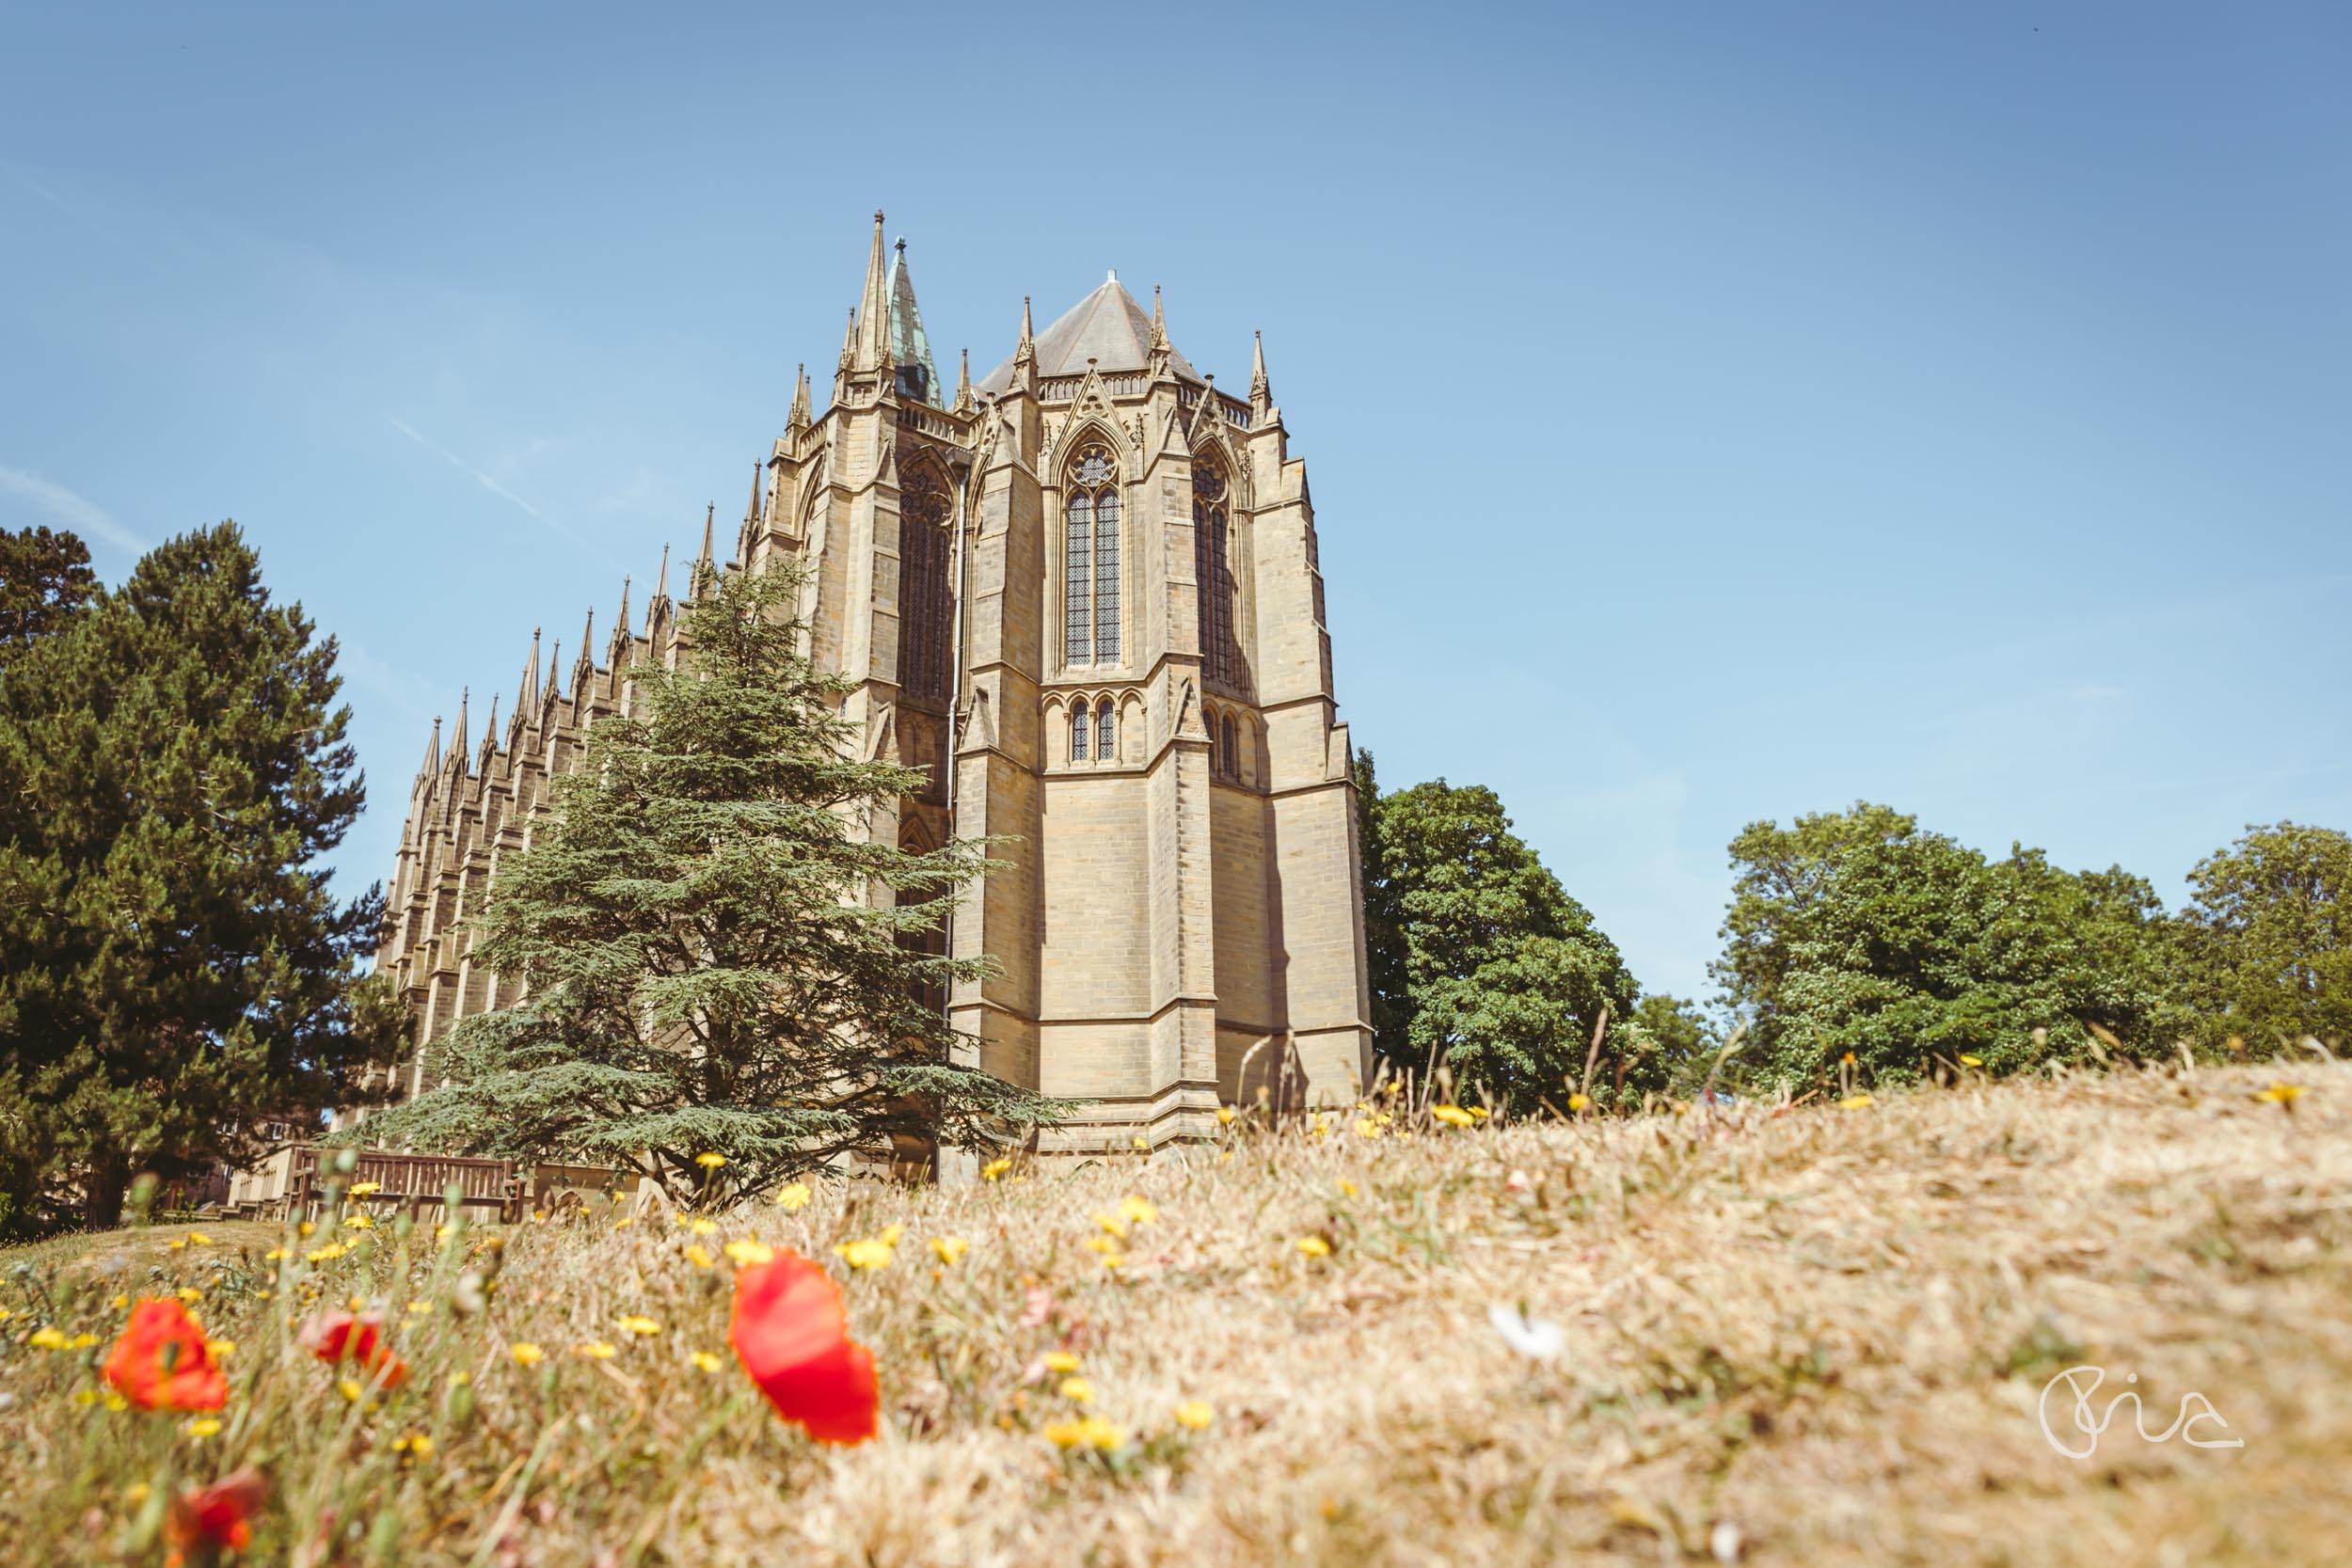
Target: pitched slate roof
(1107, 327)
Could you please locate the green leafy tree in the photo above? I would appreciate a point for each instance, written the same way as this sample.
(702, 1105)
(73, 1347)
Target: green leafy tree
(1680, 1038)
(44, 580)
(1854, 932)
(1480, 959)
(2273, 918)
(174, 969)
(715, 961)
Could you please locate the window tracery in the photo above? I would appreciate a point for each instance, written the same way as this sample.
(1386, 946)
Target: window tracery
(925, 612)
(1090, 560)
(1212, 571)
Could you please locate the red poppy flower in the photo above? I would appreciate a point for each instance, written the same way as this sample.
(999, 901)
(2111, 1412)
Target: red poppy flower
(204, 1519)
(160, 1362)
(791, 1333)
(342, 1337)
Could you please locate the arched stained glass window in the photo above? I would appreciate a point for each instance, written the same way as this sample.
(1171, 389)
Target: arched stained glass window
(1212, 571)
(1105, 733)
(1078, 733)
(1079, 579)
(1232, 754)
(1090, 560)
(925, 614)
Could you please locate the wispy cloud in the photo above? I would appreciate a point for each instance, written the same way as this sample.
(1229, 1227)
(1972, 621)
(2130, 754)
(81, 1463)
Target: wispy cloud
(78, 513)
(463, 466)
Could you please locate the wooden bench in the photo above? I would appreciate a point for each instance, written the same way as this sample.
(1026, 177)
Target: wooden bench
(408, 1182)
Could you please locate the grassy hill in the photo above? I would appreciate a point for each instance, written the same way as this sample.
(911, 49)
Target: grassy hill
(1814, 1337)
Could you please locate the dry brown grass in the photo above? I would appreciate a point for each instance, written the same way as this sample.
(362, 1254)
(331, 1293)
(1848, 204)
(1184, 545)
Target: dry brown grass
(1825, 1330)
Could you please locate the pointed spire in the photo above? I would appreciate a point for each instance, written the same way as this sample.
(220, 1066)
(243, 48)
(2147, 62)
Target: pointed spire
(587, 641)
(555, 663)
(963, 385)
(660, 582)
(873, 348)
(458, 739)
(490, 730)
(1027, 352)
(1260, 393)
(705, 568)
(1159, 322)
(751, 513)
(800, 417)
(623, 629)
(433, 751)
(528, 697)
(848, 340)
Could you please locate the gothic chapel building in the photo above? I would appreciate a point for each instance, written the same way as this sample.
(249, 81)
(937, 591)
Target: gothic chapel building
(1136, 681)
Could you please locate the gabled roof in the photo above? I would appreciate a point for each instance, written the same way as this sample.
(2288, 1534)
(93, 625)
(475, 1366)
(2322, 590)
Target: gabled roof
(1107, 327)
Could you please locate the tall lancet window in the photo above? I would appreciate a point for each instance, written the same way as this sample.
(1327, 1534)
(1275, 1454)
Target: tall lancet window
(1090, 560)
(1105, 733)
(1214, 572)
(925, 614)
(1078, 732)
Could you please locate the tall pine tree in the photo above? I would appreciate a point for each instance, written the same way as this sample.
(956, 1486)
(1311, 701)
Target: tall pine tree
(173, 968)
(719, 960)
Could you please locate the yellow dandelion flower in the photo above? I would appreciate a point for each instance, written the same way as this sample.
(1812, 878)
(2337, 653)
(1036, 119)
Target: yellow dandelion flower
(2281, 1094)
(1225, 1115)
(1480, 1113)
(1195, 1415)
(747, 1253)
(703, 1228)
(1061, 1361)
(1223, 1155)
(699, 1256)
(1114, 1259)
(1092, 1432)
(1115, 1224)
(1579, 1101)
(871, 1253)
(419, 1309)
(204, 1426)
(362, 1189)
(198, 1238)
(891, 1234)
(220, 1350)
(47, 1338)
(116, 1404)
(81, 1341)
(1077, 1390)
(995, 1167)
(1347, 1189)
(1846, 1060)
(624, 1222)
(328, 1253)
(597, 1350)
(1452, 1116)
(351, 1389)
(711, 1161)
(1313, 1247)
(189, 1292)
(415, 1445)
(1101, 1244)
(705, 1361)
(1856, 1102)
(1138, 1209)
(118, 1302)
(1367, 1128)
(950, 1249)
(358, 1222)
(276, 1254)
(177, 1243)
(633, 1323)
(1966, 1060)
(794, 1195)
(304, 1227)
(526, 1354)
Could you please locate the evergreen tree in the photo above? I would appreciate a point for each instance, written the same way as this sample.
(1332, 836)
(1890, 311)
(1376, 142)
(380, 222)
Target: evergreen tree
(1480, 959)
(173, 968)
(717, 959)
(44, 579)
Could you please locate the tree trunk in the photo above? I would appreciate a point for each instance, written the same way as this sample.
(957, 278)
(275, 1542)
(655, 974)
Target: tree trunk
(109, 1177)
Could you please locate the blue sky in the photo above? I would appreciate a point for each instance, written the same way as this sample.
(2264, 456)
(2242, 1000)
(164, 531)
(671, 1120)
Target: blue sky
(1715, 413)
